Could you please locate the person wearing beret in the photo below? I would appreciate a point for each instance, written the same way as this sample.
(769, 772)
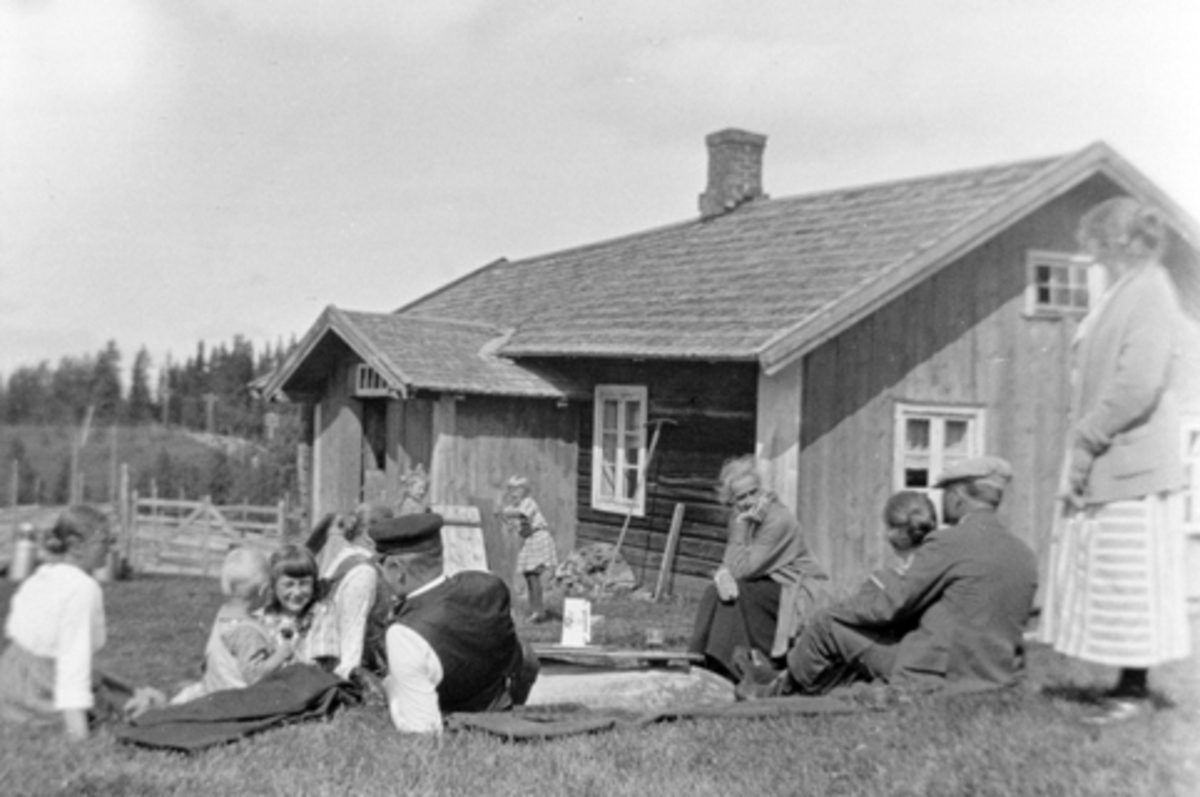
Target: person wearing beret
(955, 617)
(453, 645)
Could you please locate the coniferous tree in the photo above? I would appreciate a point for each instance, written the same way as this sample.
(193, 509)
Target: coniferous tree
(141, 407)
(105, 393)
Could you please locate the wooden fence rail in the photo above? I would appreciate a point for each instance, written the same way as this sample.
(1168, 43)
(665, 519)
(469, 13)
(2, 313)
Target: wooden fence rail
(193, 537)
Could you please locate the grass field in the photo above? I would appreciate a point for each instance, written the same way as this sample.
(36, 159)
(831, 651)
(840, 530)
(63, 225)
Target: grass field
(1024, 741)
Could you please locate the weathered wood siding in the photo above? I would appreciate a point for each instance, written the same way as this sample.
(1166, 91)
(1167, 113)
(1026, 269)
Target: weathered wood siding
(479, 442)
(713, 405)
(338, 450)
(958, 338)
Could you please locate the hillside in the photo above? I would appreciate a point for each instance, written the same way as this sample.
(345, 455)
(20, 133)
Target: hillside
(175, 459)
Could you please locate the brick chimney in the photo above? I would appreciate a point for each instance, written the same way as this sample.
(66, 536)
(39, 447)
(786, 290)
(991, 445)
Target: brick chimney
(734, 171)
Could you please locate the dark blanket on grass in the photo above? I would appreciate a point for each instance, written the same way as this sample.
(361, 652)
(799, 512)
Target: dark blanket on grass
(298, 693)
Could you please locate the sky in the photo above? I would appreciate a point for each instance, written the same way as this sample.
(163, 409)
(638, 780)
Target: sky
(172, 172)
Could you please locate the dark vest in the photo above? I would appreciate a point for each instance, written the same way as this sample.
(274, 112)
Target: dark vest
(467, 620)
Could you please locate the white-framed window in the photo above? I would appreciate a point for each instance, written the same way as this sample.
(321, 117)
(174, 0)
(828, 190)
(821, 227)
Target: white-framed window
(930, 438)
(619, 449)
(1059, 284)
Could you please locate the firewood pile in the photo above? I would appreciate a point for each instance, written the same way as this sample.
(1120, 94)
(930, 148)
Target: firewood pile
(586, 571)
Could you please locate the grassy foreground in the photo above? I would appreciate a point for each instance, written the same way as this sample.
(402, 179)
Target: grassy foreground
(1025, 741)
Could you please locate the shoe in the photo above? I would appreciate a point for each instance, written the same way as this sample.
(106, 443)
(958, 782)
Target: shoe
(751, 665)
(1116, 710)
(777, 687)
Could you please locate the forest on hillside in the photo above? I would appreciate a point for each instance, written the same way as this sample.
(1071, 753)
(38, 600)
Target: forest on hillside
(187, 428)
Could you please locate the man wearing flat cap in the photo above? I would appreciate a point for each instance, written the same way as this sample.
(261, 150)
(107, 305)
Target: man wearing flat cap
(453, 645)
(954, 617)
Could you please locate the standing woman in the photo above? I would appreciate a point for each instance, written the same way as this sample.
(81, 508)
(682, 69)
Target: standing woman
(1116, 593)
(767, 584)
(55, 624)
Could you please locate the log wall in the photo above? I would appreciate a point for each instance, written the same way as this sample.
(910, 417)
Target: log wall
(713, 406)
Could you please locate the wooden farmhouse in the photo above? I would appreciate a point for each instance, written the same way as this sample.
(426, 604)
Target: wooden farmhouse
(856, 340)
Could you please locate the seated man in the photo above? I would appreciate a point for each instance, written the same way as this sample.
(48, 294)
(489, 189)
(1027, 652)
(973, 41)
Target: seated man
(954, 616)
(453, 645)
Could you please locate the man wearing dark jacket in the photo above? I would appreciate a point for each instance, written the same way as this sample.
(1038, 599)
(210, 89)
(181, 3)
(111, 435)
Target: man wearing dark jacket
(954, 617)
(453, 645)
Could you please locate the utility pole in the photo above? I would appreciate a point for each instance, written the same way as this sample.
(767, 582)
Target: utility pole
(76, 452)
(210, 403)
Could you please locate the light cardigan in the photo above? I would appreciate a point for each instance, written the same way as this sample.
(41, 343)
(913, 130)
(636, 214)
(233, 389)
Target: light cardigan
(58, 614)
(1124, 402)
(774, 548)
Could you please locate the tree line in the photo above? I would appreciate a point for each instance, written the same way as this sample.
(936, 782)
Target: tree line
(253, 460)
(208, 391)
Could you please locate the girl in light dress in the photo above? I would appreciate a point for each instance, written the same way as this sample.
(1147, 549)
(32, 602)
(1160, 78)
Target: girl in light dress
(240, 649)
(537, 555)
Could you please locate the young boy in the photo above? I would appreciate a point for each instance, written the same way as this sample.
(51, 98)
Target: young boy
(240, 651)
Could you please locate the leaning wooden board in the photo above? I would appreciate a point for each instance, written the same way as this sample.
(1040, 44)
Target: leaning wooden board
(601, 656)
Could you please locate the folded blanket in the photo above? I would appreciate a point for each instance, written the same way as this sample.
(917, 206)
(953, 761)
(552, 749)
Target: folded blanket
(297, 693)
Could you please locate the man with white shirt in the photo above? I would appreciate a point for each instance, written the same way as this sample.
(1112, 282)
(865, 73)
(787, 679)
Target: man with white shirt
(453, 646)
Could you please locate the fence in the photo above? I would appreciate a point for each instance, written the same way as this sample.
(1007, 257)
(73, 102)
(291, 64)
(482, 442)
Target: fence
(192, 537)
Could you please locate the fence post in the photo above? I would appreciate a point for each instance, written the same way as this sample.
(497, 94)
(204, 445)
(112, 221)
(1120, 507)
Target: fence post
(282, 523)
(133, 513)
(208, 524)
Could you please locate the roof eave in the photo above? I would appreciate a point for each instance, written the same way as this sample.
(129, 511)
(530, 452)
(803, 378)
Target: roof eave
(332, 320)
(794, 342)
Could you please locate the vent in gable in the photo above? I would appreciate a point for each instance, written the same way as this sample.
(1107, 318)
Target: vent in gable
(369, 384)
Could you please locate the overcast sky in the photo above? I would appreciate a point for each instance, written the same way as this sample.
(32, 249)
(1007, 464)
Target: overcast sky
(177, 171)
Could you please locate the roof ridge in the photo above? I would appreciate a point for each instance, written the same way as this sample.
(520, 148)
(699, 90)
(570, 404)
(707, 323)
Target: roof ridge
(1045, 160)
(456, 322)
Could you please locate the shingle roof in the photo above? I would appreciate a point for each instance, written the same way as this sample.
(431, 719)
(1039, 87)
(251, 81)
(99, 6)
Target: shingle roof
(410, 354)
(767, 282)
(450, 356)
(721, 288)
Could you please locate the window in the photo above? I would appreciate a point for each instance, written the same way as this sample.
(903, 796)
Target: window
(368, 383)
(1059, 284)
(929, 439)
(619, 449)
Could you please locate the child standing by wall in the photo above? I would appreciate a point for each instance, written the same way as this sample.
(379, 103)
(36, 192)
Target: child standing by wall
(537, 554)
(55, 624)
(240, 650)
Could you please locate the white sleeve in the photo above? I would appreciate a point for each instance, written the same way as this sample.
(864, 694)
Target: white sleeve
(414, 673)
(80, 632)
(353, 601)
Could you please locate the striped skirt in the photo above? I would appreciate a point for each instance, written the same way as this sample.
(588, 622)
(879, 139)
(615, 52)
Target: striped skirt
(1116, 591)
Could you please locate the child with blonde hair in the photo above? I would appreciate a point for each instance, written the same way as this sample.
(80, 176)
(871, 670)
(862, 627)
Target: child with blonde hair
(537, 555)
(240, 650)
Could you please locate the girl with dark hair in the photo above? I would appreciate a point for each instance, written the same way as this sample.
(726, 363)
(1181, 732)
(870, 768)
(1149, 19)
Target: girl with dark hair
(295, 609)
(908, 517)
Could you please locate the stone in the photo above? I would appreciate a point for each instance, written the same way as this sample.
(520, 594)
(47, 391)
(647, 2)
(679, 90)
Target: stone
(642, 690)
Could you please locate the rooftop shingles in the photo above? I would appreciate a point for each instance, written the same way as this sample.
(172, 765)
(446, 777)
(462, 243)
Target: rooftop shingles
(451, 356)
(720, 288)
